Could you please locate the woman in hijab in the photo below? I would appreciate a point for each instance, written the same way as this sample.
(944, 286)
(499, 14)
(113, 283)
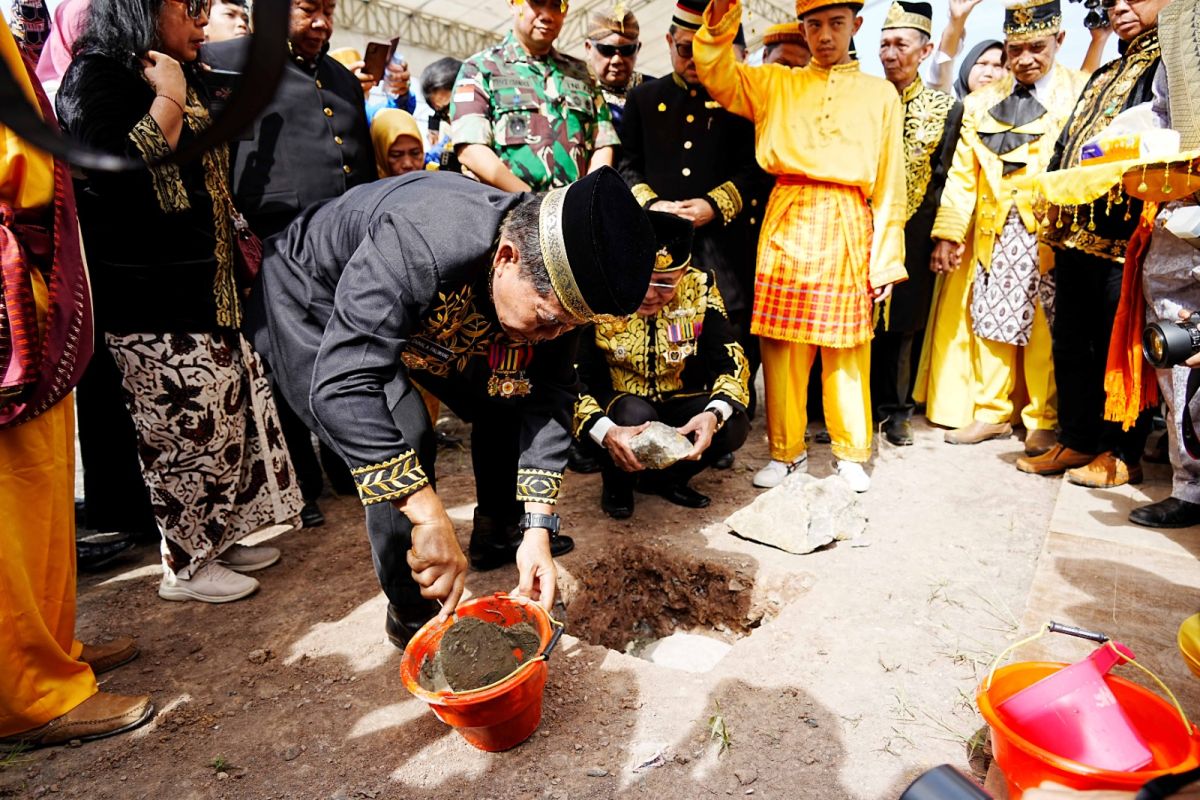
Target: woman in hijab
(984, 63)
(399, 147)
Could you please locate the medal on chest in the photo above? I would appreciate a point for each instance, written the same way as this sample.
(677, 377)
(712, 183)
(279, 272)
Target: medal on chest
(508, 363)
(682, 331)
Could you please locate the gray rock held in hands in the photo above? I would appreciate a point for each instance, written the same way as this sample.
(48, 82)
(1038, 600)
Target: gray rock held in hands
(659, 446)
(801, 514)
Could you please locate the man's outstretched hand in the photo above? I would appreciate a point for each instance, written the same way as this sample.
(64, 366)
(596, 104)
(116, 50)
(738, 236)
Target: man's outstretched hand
(535, 565)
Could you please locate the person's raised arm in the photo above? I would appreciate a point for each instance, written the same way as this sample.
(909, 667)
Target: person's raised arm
(942, 74)
(487, 167)
(739, 88)
(1095, 52)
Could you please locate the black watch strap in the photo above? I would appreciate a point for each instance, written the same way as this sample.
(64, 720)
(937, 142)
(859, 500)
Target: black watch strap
(548, 521)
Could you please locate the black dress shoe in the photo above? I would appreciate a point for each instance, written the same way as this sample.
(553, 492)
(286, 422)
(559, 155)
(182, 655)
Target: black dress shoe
(94, 551)
(311, 516)
(580, 460)
(1169, 513)
(617, 501)
(683, 495)
(724, 462)
(487, 553)
(898, 431)
(403, 623)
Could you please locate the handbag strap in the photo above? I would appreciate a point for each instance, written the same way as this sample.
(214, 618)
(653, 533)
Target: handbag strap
(266, 62)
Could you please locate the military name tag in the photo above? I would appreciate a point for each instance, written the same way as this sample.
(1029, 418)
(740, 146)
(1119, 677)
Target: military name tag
(426, 349)
(507, 82)
(576, 85)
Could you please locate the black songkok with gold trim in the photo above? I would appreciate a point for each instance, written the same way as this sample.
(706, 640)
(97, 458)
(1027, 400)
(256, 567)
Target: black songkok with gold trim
(1032, 20)
(598, 246)
(674, 237)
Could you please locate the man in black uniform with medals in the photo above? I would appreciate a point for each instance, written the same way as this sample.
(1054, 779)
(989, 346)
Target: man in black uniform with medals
(675, 361)
(470, 288)
(931, 123)
(685, 155)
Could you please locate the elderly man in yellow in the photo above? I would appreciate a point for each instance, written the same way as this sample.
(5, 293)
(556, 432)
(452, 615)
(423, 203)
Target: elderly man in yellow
(1008, 133)
(47, 679)
(832, 238)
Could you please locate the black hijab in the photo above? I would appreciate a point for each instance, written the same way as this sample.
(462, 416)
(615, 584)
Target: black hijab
(964, 70)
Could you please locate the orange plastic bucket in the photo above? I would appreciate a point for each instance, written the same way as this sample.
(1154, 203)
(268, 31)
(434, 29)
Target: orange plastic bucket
(503, 714)
(1175, 745)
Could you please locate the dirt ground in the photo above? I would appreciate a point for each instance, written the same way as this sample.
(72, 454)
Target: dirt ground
(853, 669)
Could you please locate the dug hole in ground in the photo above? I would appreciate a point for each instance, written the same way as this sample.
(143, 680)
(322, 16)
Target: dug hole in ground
(843, 673)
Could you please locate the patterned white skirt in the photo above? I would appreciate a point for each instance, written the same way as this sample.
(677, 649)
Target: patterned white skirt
(1005, 296)
(209, 441)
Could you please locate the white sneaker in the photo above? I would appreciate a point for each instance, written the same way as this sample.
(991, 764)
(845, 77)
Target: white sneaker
(245, 558)
(774, 472)
(212, 583)
(853, 473)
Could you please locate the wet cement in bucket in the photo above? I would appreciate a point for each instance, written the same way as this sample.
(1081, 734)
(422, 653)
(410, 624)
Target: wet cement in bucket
(474, 653)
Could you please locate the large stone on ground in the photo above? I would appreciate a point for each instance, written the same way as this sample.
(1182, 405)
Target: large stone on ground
(801, 514)
(660, 446)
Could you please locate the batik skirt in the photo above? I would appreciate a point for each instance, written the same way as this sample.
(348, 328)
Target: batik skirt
(209, 440)
(1005, 296)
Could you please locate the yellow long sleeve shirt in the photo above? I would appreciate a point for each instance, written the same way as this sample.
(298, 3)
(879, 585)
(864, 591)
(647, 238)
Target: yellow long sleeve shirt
(835, 125)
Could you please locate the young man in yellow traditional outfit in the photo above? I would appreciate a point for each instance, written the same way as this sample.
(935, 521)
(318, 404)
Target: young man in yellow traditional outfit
(48, 691)
(833, 236)
(1008, 134)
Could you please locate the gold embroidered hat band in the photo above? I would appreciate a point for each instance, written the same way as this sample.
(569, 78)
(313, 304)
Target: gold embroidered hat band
(918, 16)
(598, 247)
(1032, 20)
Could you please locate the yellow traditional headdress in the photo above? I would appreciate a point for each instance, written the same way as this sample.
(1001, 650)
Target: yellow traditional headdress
(784, 32)
(618, 19)
(808, 6)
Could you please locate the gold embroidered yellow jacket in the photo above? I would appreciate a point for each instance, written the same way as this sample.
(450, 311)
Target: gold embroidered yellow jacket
(977, 187)
(688, 347)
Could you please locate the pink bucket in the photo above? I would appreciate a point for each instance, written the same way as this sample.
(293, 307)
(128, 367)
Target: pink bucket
(1074, 714)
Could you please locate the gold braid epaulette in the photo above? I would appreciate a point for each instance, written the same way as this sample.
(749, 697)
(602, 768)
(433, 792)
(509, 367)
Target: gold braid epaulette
(728, 200)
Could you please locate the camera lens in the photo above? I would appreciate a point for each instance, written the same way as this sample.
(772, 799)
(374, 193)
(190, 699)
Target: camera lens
(1165, 344)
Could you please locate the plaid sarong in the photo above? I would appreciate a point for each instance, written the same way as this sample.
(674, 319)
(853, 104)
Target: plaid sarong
(813, 258)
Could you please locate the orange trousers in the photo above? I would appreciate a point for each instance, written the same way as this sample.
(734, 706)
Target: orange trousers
(40, 678)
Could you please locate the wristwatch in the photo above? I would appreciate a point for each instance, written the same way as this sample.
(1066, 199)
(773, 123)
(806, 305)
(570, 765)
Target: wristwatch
(548, 521)
(717, 414)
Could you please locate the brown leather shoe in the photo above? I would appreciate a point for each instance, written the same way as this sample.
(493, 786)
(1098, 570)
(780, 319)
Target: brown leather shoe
(1039, 441)
(102, 714)
(978, 432)
(1056, 461)
(104, 657)
(1104, 472)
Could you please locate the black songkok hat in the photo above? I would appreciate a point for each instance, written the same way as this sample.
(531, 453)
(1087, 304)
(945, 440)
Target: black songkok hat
(598, 246)
(689, 14)
(674, 238)
(1032, 19)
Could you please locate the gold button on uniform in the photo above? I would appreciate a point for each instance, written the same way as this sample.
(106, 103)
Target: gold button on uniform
(319, 86)
(753, 201)
(346, 168)
(691, 117)
(753, 221)
(662, 106)
(338, 139)
(687, 145)
(328, 111)
(687, 171)
(692, 92)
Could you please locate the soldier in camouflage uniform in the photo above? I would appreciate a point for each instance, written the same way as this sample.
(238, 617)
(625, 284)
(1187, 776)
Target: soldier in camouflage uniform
(526, 117)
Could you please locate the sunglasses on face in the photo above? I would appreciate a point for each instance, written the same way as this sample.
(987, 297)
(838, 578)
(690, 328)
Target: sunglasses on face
(684, 50)
(196, 8)
(540, 4)
(623, 50)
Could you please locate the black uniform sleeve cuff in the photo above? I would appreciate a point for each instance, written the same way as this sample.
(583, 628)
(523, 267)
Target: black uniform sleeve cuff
(394, 479)
(538, 485)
